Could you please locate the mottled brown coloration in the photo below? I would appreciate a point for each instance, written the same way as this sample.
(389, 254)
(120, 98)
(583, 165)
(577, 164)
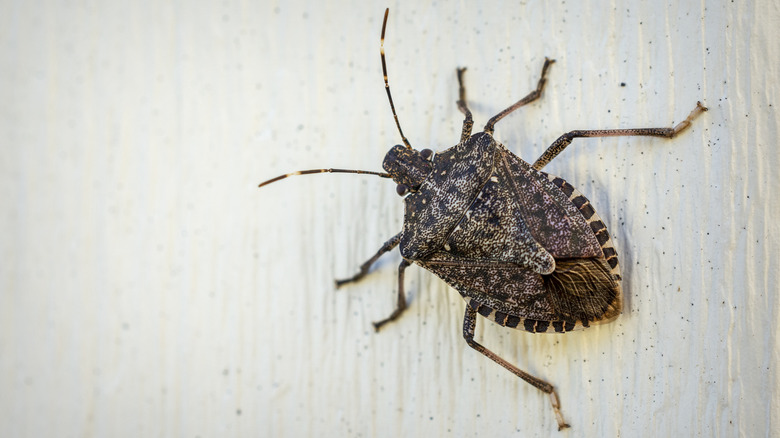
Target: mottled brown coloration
(486, 258)
(408, 167)
(524, 248)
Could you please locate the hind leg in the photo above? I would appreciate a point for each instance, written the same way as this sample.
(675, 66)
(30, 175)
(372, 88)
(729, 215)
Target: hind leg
(560, 144)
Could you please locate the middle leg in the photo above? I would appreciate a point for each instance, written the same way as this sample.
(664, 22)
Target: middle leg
(386, 247)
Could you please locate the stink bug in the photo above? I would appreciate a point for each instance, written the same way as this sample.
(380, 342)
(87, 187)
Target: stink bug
(523, 247)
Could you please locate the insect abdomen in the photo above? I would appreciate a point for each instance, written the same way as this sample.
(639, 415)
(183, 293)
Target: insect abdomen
(602, 303)
(527, 324)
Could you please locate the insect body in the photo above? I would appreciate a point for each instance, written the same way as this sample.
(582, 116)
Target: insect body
(524, 248)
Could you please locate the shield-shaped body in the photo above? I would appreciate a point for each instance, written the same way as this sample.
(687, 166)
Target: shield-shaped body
(524, 248)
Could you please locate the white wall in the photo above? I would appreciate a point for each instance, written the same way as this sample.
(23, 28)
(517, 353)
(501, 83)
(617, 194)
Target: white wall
(148, 288)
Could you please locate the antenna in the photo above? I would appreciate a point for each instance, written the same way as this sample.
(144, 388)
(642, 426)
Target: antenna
(312, 171)
(392, 107)
(387, 85)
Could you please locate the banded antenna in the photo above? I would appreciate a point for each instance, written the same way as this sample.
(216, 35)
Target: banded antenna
(387, 85)
(392, 107)
(309, 172)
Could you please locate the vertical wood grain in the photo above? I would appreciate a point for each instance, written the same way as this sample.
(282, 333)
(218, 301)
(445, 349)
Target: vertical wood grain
(148, 288)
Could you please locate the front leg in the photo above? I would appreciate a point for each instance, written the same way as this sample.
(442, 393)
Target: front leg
(386, 247)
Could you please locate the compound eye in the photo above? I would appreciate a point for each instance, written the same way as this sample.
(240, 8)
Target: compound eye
(426, 154)
(402, 189)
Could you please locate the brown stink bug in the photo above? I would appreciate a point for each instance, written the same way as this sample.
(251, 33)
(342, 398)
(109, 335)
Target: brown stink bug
(524, 248)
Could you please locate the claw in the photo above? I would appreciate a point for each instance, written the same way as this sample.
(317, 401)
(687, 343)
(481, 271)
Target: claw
(556, 408)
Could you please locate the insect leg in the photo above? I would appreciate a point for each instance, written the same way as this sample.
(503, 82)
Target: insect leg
(401, 305)
(468, 122)
(532, 96)
(560, 144)
(387, 246)
(469, 326)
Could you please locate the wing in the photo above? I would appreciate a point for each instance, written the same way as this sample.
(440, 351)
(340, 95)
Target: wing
(579, 292)
(457, 177)
(492, 229)
(583, 289)
(553, 220)
(520, 216)
(523, 247)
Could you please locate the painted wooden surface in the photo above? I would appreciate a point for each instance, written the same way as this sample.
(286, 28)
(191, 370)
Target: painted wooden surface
(148, 288)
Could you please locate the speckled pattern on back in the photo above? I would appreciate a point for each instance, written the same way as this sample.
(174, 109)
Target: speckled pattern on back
(610, 255)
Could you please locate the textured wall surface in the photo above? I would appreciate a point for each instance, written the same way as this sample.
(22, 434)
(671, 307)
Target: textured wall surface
(148, 288)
